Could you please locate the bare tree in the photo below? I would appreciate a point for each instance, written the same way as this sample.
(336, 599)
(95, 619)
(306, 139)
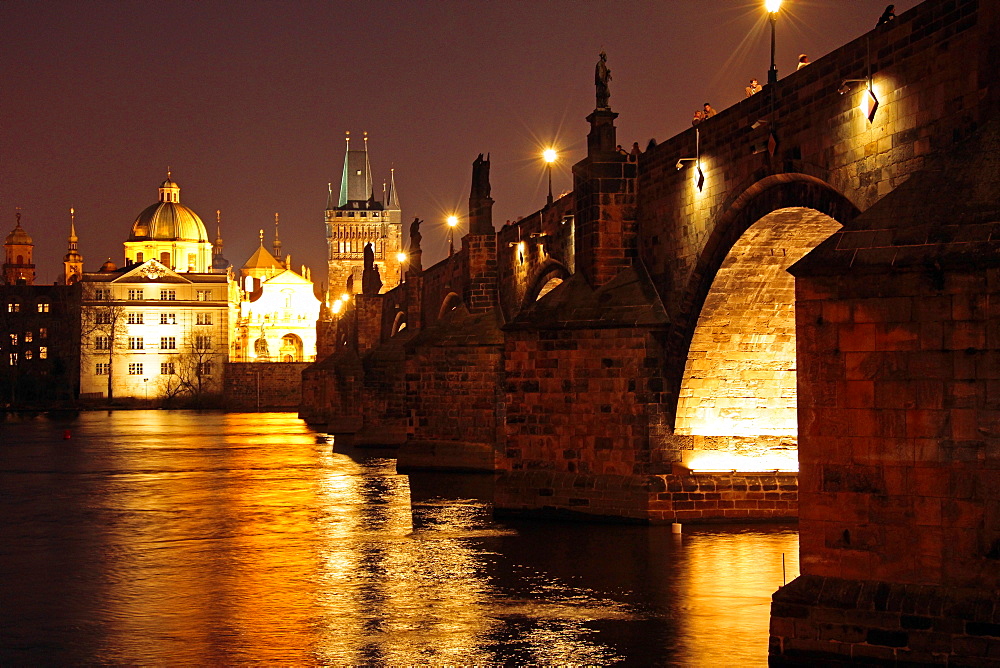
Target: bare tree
(103, 327)
(195, 369)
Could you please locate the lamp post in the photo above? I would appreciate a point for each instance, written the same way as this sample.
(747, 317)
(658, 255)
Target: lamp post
(452, 222)
(550, 156)
(401, 258)
(772, 7)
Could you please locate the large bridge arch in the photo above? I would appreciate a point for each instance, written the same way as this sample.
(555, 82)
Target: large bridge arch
(736, 380)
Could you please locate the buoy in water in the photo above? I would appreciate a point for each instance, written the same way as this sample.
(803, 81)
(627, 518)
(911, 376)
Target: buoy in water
(675, 527)
(67, 435)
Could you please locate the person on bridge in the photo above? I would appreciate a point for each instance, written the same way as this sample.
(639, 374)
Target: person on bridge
(888, 15)
(709, 110)
(699, 116)
(754, 87)
(803, 61)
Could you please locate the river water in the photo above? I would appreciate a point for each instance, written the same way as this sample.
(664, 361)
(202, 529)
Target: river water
(185, 538)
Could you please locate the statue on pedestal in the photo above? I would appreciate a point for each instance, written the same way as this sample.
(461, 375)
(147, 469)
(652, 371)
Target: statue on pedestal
(602, 75)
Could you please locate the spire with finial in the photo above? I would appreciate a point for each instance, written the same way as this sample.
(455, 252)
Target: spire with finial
(330, 204)
(72, 261)
(393, 202)
(220, 264)
(277, 241)
(368, 172)
(262, 237)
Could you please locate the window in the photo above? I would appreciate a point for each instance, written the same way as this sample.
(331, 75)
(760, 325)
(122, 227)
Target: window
(169, 295)
(102, 293)
(27, 337)
(102, 317)
(43, 307)
(135, 318)
(166, 368)
(27, 354)
(43, 353)
(202, 342)
(135, 294)
(13, 359)
(135, 343)
(192, 261)
(165, 258)
(204, 319)
(102, 342)
(139, 257)
(168, 318)
(135, 369)
(13, 339)
(13, 307)
(168, 343)
(204, 295)
(43, 332)
(102, 369)
(205, 369)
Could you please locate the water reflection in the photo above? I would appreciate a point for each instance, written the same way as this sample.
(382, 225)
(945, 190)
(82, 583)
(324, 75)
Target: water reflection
(158, 537)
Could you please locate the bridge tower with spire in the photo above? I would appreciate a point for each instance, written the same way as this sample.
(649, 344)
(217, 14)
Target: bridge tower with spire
(354, 218)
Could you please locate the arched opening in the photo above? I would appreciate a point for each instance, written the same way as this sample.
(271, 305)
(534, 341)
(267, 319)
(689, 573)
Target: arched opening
(399, 323)
(550, 285)
(450, 303)
(291, 348)
(549, 278)
(739, 385)
(260, 349)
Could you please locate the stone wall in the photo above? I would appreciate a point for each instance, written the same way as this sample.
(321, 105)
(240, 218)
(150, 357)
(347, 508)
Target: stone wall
(253, 386)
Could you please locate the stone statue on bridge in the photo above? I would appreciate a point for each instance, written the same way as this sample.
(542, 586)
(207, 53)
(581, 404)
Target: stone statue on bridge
(602, 75)
(415, 236)
(371, 280)
(481, 178)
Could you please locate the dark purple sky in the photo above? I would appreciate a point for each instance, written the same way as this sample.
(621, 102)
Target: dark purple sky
(247, 102)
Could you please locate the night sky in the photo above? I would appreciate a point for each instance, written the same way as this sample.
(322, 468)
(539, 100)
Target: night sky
(248, 102)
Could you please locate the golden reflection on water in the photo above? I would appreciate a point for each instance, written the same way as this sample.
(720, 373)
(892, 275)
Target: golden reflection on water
(220, 539)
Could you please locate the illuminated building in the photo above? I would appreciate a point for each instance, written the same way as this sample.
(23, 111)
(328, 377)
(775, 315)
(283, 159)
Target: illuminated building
(18, 266)
(159, 326)
(355, 219)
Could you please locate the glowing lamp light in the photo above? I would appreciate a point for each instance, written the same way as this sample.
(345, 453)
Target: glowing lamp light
(772, 5)
(869, 104)
(549, 155)
(401, 257)
(699, 178)
(337, 305)
(345, 297)
(452, 221)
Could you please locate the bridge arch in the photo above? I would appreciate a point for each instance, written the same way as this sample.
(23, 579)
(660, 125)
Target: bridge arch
(548, 276)
(450, 302)
(739, 385)
(398, 323)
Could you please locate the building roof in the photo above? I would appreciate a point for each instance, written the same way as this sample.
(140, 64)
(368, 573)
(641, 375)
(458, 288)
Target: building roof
(17, 236)
(261, 259)
(168, 219)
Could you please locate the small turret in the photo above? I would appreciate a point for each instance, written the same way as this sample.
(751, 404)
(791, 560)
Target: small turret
(73, 260)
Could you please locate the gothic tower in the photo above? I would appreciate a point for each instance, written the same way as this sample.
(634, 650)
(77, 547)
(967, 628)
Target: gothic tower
(355, 219)
(18, 265)
(72, 260)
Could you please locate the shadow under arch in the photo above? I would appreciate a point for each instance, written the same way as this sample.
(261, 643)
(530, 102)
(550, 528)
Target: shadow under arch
(739, 310)
(450, 302)
(551, 270)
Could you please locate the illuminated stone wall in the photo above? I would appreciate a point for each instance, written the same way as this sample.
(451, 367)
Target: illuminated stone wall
(253, 386)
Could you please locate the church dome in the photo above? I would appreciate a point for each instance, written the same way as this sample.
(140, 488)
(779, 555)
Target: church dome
(168, 219)
(18, 237)
(109, 266)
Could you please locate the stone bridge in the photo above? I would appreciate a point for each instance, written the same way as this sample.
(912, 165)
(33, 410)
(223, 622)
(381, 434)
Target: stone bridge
(803, 282)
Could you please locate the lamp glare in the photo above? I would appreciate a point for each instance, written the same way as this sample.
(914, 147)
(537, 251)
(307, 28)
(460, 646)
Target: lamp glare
(772, 5)
(549, 155)
(452, 221)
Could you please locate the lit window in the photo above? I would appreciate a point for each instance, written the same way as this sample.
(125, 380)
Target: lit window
(27, 337)
(13, 359)
(102, 317)
(43, 332)
(168, 318)
(13, 339)
(203, 342)
(135, 369)
(168, 343)
(102, 342)
(135, 343)
(166, 368)
(135, 318)
(168, 295)
(204, 295)
(135, 294)
(103, 369)
(13, 307)
(205, 369)
(43, 307)
(204, 318)
(27, 354)
(43, 352)
(192, 259)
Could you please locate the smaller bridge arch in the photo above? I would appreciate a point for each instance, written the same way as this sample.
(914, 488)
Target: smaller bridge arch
(398, 323)
(450, 302)
(549, 276)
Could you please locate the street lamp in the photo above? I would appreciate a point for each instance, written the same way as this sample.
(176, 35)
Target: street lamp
(452, 222)
(772, 7)
(549, 155)
(401, 258)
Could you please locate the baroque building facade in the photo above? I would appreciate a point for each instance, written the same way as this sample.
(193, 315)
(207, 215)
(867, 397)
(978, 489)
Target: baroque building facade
(354, 218)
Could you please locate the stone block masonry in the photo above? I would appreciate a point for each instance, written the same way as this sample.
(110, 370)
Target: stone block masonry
(252, 386)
